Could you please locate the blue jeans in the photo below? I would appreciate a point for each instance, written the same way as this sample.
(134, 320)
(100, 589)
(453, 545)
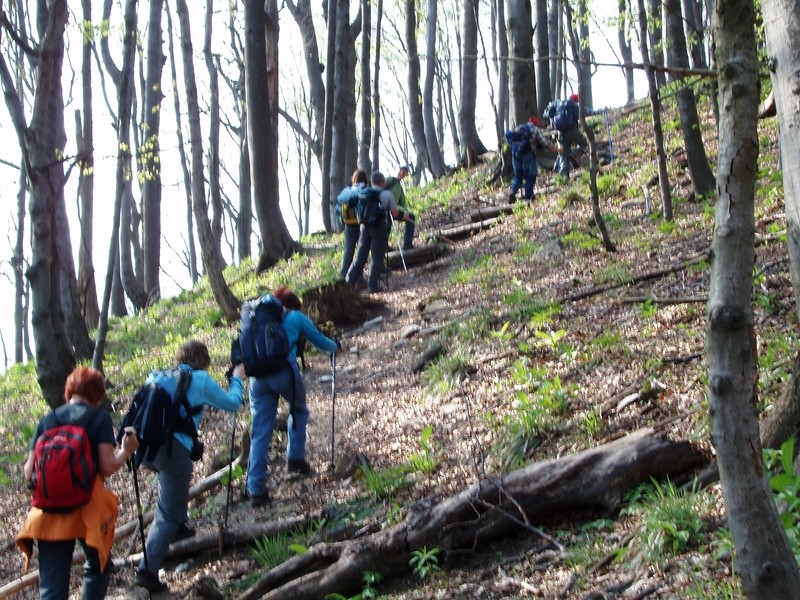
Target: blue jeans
(524, 170)
(372, 241)
(408, 232)
(351, 233)
(174, 477)
(264, 395)
(55, 562)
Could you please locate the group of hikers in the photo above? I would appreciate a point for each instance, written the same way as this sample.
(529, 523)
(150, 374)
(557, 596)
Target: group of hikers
(527, 139)
(368, 209)
(55, 524)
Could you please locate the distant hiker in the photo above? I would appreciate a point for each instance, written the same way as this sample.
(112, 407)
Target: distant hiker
(395, 185)
(374, 206)
(266, 391)
(564, 117)
(174, 465)
(91, 523)
(525, 141)
(346, 203)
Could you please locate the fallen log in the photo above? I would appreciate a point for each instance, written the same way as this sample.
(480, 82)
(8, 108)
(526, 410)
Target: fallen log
(415, 255)
(462, 231)
(484, 213)
(589, 480)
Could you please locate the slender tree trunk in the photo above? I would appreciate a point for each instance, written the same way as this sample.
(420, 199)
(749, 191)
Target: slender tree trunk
(214, 185)
(150, 157)
(544, 93)
(86, 280)
(655, 35)
(520, 66)
(693, 15)
(431, 141)
(376, 93)
(364, 162)
(554, 32)
(502, 70)
(699, 169)
(219, 288)
(340, 121)
(764, 559)
(18, 268)
(328, 194)
(655, 103)
(414, 93)
(184, 161)
(585, 53)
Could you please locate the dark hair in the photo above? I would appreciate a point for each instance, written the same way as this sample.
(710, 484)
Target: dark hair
(288, 298)
(378, 178)
(195, 354)
(87, 383)
(359, 176)
(404, 168)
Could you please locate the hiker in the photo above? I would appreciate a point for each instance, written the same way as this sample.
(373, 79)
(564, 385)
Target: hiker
(525, 141)
(346, 208)
(395, 185)
(564, 117)
(174, 467)
(265, 393)
(375, 204)
(92, 523)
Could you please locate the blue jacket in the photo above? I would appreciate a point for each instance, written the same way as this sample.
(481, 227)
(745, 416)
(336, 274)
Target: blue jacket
(296, 323)
(203, 391)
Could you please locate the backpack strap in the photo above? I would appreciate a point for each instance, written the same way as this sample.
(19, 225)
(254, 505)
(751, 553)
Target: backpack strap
(180, 400)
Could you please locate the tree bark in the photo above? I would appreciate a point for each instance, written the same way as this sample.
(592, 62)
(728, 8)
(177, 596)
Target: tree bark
(416, 121)
(655, 35)
(764, 557)
(699, 169)
(214, 184)
(219, 288)
(437, 165)
(543, 92)
(472, 145)
(520, 66)
(376, 94)
(625, 50)
(364, 162)
(490, 509)
(655, 104)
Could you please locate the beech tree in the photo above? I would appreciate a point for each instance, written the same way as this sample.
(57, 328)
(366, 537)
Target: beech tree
(764, 559)
(521, 74)
(543, 92)
(626, 51)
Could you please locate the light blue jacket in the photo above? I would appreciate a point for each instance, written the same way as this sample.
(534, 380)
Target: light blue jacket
(296, 323)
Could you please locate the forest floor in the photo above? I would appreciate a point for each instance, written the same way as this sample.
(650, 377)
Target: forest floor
(624, 323)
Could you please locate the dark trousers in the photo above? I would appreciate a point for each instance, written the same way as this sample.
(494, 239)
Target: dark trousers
(372, 241)
(351, 233)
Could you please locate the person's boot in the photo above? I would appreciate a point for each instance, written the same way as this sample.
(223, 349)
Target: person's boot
(150, 581)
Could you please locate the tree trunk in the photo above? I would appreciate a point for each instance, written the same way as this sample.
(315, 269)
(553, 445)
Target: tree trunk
(655, 103)
(585, 54)
(502, 108)
(329, 193)
(150, 158)
(764, 559)
(493, 508)
(625, 49)
(472, 145)
(699, 169)
(364, 162)
(655, 35)
(416, 122)
(219, 288)
(275, 239)
(339, 121)
(543, 92)
(554, 31)
(437, 165)
(18, 269)
(520, 66)
(693, 15)
(214, 185)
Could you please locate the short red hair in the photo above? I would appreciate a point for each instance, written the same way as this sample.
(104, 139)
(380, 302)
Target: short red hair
(288, 298)
(87, 383)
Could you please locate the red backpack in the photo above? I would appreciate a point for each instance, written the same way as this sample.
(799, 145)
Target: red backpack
(63, 466)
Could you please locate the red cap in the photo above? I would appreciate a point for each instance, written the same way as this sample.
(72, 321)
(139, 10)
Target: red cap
(534, 120)
(574, 97)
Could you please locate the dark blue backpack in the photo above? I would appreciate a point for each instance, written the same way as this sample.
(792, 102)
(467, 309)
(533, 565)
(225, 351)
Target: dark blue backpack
(564, 116)
(369, 209)
(262, 338)
(519, 140)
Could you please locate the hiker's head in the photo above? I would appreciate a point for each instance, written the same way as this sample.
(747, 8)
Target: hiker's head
(534, 120)
(574, 97)
(87, 383)
(378, 179)
(194, 354)
(402, 172)
(359, 176)
(288, 298)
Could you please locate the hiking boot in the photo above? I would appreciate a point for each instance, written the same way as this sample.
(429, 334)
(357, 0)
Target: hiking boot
(150, 581)
(260, 500)
(299, 466)
(184, 532)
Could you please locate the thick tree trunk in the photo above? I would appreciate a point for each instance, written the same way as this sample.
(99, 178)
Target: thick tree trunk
(472, 145)
(554, 31)
(492, 508)
(219, 288)
(585, 54)
(699, 169)
(437, 165)
(520, 65)
(655, 35)
(764, 559)
(543, 92)
(329, 193)
(415, 118)
(376, 94)
(502, 78)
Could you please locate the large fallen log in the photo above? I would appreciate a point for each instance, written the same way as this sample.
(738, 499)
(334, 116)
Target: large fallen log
(593, 479)
(415, 255)
(452, 234)
(485, 213)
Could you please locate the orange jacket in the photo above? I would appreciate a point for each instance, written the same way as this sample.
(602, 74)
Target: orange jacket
(94, 522)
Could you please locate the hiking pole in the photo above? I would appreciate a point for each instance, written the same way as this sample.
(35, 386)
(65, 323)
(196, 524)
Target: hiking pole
(132, 467)
(399, 246)
(230, 474)
(610, 141)
(331, 467)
